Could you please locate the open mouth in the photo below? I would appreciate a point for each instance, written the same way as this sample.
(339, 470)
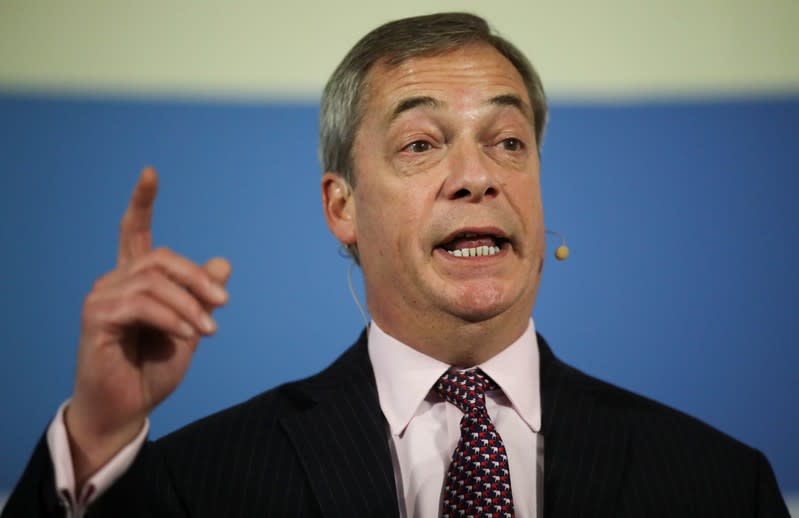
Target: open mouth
(474, 244)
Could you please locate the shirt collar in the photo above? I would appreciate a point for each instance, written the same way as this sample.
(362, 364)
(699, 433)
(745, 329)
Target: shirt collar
(404, 376)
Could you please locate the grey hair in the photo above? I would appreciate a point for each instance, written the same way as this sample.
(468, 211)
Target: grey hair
(345, 94)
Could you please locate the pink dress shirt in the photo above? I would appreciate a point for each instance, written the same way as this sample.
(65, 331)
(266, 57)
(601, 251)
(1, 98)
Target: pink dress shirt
(424, 429)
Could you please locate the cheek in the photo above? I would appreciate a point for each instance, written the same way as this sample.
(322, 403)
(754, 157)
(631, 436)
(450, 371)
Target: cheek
(394, 214)
(528, 205)
(528, 202)
(381, 221)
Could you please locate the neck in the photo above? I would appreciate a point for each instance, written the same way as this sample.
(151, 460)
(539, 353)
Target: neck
(456, 341)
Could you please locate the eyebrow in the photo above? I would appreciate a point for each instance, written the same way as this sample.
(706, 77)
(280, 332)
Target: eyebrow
(514, 101)
(414, 102)
(426, 101)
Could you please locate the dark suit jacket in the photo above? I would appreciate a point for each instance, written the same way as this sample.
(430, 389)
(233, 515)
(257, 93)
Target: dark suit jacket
(318, 447)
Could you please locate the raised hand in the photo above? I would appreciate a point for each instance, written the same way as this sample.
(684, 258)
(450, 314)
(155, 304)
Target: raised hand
(140, 326)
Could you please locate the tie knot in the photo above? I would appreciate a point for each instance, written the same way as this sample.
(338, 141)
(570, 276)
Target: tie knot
(465, 389)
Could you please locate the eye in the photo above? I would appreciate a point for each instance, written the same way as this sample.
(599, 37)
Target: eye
(418, 146)
(512, 144)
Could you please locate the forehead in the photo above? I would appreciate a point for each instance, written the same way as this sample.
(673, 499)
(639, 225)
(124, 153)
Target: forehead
(459, 77)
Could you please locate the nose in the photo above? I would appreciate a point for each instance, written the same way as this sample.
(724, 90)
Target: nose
(470, 178)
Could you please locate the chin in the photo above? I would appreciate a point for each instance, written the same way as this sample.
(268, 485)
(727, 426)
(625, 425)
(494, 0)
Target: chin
(478, 302)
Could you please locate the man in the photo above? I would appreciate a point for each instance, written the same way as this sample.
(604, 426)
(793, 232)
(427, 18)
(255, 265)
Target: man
(449, 401)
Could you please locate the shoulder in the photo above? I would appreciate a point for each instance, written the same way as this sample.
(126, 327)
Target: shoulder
(657, 440)
(663, 458)
(563, 384)
(653, 423)
(657, 422)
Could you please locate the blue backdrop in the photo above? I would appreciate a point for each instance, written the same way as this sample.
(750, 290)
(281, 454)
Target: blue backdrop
(681, 216)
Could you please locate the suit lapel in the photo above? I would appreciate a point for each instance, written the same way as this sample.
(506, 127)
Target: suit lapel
(585, 444)
(341, 439)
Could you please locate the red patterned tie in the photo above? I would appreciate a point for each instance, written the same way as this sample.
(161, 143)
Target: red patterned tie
(478, 480)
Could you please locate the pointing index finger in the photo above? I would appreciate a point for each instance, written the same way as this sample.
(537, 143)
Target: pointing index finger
(135, 235)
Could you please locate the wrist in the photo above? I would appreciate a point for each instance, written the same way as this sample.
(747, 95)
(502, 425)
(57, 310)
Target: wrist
(92, 445)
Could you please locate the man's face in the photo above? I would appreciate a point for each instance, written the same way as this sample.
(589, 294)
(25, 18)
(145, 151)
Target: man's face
(446, 165)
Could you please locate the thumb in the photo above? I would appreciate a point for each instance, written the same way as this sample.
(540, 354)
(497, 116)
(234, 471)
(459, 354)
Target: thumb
(219, 269)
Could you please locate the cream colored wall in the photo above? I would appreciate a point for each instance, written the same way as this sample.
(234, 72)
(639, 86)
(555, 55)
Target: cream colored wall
(584, 49)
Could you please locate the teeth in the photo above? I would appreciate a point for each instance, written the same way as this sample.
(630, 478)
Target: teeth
(476, 251)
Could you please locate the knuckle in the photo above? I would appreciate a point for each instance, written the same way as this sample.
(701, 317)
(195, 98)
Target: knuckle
(147, 279)
(95, 295)
(89, 301)
(137, 302)
(100, 313)
(137, 282)
(198, 311)
(101, 282)
(196, 275)
(162, 253)
(94, 309)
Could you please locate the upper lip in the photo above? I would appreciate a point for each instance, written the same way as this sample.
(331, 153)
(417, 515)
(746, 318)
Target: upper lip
(473, 231)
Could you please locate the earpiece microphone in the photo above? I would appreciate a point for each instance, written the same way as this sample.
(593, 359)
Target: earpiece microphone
(355, 295)
(562, 251)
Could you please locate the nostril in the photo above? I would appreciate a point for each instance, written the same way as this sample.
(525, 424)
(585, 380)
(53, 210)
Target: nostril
(462, 193)
(490, 192)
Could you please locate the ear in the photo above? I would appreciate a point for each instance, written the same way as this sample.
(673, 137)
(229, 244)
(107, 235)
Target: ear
(338, 203)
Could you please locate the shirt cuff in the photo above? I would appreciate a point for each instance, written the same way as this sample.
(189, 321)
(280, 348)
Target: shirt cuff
(58, 444)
